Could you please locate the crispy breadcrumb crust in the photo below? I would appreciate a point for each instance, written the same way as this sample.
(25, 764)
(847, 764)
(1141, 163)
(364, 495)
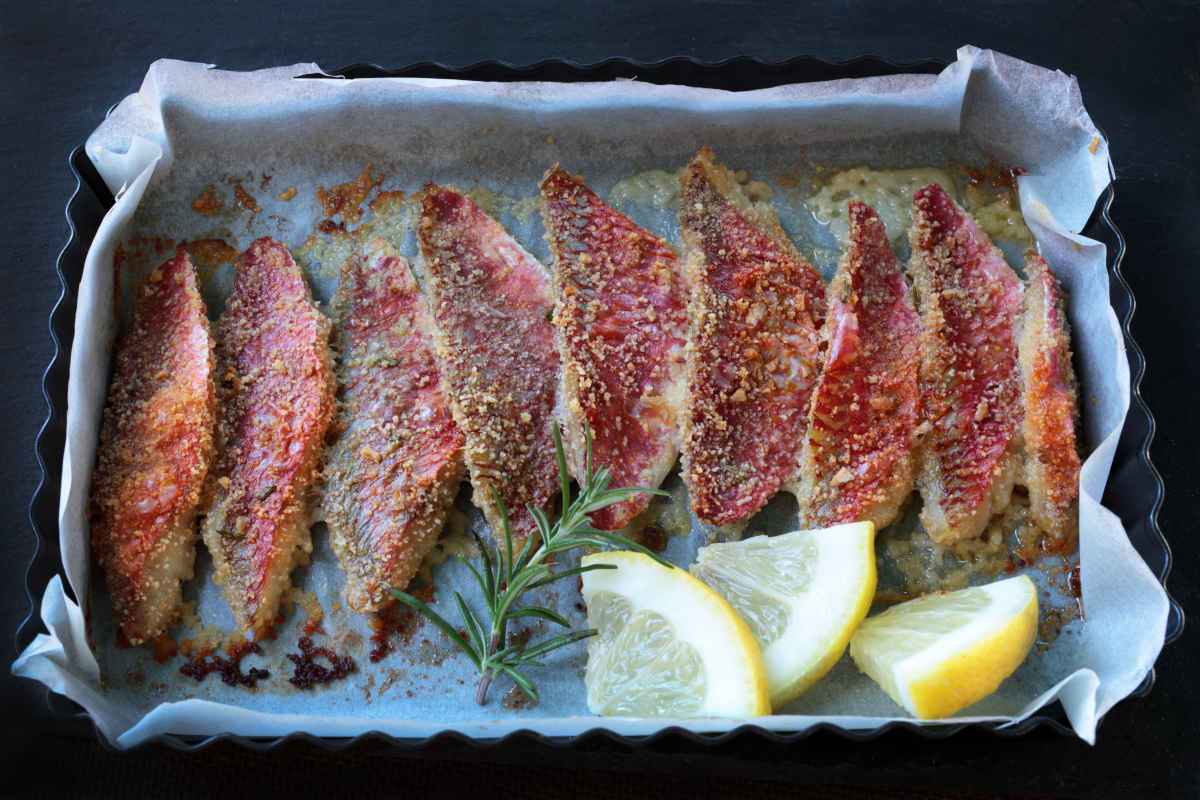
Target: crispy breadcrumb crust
(156, 446)
(753, 352)
(970, 302)
(276, 393)
(492, 307)
(621, 320)
(858, 461)
(1051, 408)
(393, 472)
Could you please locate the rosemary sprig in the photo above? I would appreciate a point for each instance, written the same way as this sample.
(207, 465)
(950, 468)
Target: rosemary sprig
(503, 577)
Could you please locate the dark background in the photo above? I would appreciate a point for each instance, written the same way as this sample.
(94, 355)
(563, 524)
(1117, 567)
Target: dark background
(63, 65)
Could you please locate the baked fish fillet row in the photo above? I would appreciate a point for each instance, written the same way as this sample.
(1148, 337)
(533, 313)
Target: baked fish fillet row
(858, 461)
(621, 318)
(391, 475)
(971, 306)
(753, 353)
(998, 410)
(276, 392)
(156, 445)
(492, 306)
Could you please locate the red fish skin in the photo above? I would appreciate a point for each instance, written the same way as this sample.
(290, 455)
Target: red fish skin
(970, 302)
(858, 462)
(394, 469)
(755, 315)
(276, 396)
(621, 316)
(156, 447)
(492, 306)
(1051, 404)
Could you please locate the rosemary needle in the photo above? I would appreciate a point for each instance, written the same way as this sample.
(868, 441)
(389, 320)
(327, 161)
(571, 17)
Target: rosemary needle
(504, 576)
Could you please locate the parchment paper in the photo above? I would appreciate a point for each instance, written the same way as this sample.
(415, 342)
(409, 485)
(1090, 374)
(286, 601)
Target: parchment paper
(190, 125)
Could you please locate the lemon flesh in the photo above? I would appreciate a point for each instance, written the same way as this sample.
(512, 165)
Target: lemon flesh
(667, 645)
(943, 652)
(803, 594)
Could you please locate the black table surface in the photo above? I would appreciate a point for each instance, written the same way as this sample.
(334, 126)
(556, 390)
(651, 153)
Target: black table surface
(63, 65)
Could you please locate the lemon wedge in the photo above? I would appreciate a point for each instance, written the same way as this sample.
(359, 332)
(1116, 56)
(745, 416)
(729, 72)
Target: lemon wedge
(803, 594)
(667, 645)
(940, 653)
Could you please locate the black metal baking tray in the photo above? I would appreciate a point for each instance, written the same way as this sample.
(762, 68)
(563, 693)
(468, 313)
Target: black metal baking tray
(1134, 492)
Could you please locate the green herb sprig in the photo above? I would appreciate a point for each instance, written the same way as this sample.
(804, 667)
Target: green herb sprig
(504, 577)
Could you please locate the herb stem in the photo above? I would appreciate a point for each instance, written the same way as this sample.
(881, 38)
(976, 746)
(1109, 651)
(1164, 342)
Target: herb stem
(481, 689)
(496, 642)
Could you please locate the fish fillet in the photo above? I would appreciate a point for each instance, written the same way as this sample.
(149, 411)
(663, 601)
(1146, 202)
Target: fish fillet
(276, 392)
(492, 307)
(755, 315)
(1051, 408)
(156, 445)
(970, 302)
(392, 474)
(858, 459)
(621, 315)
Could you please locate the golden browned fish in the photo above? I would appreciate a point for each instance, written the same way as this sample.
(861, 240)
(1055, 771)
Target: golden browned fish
(858, 461)
(755, 312)
(970, 302)
(492, 308)
(156, 444)
(391, 476)
(621, 314)
(276, 391)
(1051, 408)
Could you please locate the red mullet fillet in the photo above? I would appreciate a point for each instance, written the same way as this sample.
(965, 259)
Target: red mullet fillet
(621, 315)
(1051, 408)
(392, 474)
(492, 312)
(276, 391)
(970, 303)
(858, 461)
(156, 444)
(755, 315)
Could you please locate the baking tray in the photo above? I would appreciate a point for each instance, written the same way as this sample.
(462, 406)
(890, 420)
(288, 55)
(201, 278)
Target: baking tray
(1134, 491)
